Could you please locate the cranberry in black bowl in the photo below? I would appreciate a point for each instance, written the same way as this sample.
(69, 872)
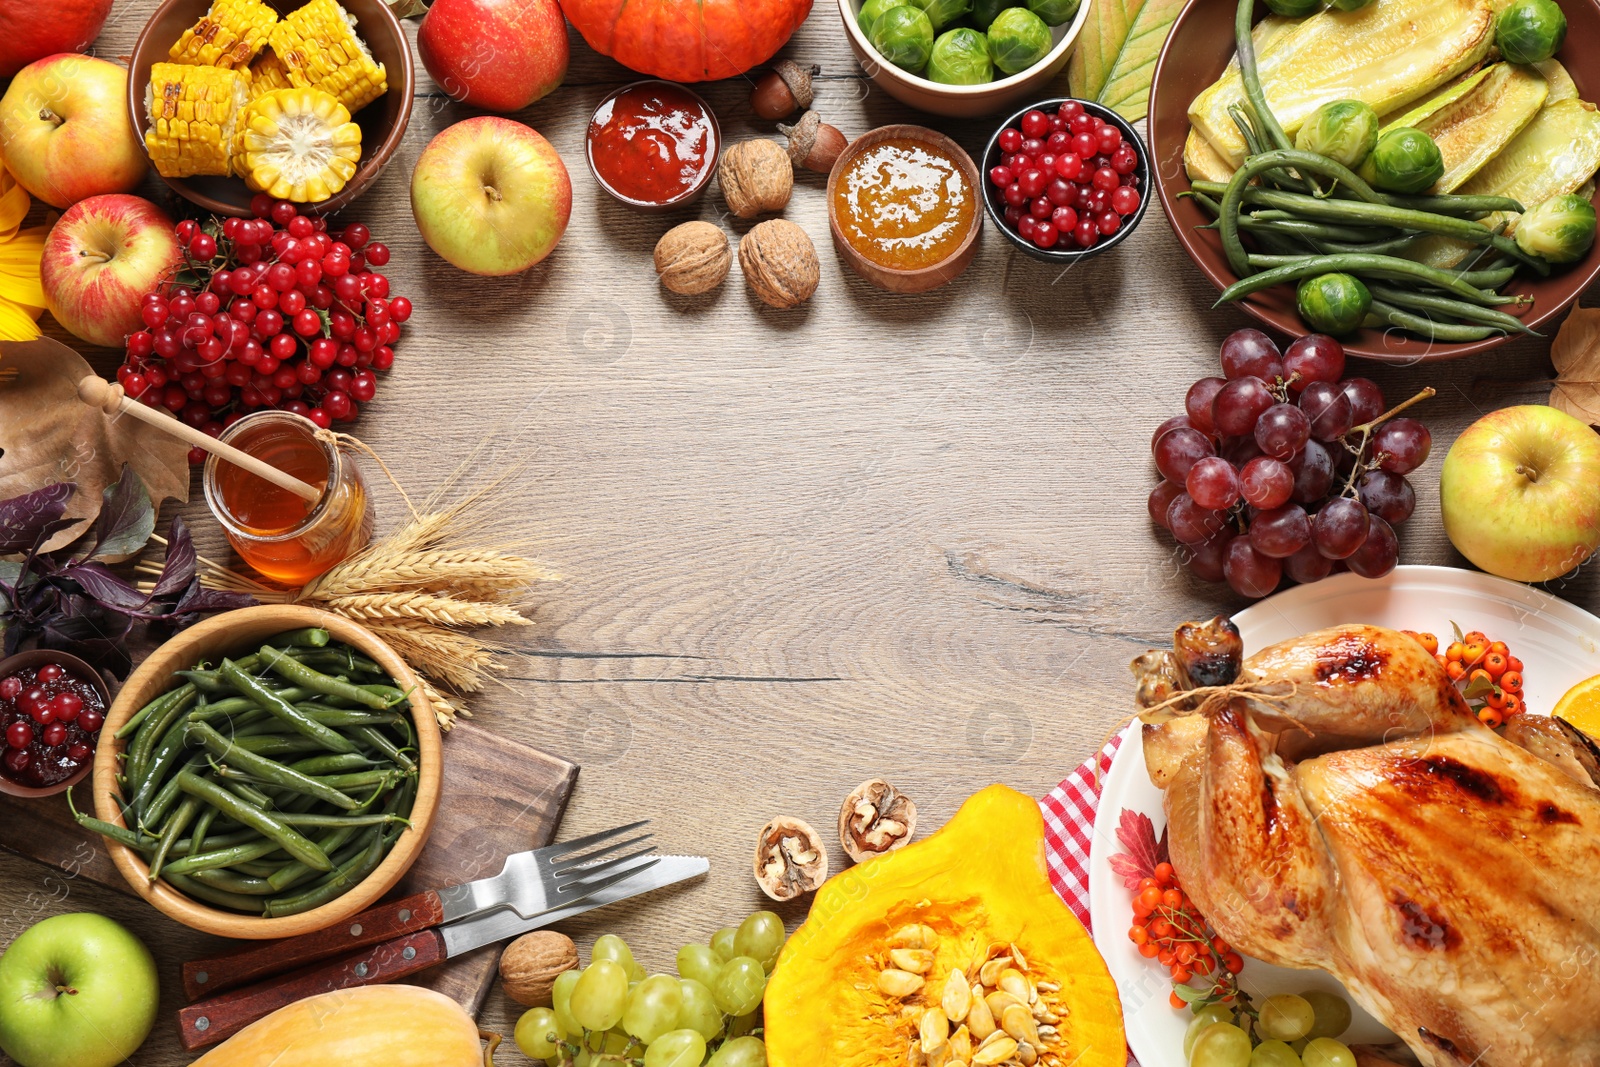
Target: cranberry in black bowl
(51, 709)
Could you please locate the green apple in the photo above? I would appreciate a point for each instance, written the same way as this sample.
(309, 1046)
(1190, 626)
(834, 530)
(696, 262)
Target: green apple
(1520, 491)
(76, 991)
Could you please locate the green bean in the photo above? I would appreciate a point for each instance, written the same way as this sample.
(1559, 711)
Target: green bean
(156, 812)
(202, 827)
(230, 707)
(345, 659)
(333, 763)
(1260, 112)
(375, 738)
(222, 857)
(307, 637)
(1487, 279)
(334, 822)
(358, 779)
(247, 792)
(1455, 309)
(347, 717)
(268, 770)
(293, 841)
(257, 868)
(277, 744)
(181, 818)
(216, 841)
(127, 729)
(1325, 231)
(1385, 266)
(299, 674)
(120, 834)
(290, 715)
(293, 873)
(335, 884)
(232, 882)
(1428, 328)
(1489, 298)
(199, 891)
(155, 728)
(1459, 206)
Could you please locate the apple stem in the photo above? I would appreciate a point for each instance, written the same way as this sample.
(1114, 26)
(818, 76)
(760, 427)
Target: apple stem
(68, 990)
(492, 193)
(46, 115)
(1530, 473)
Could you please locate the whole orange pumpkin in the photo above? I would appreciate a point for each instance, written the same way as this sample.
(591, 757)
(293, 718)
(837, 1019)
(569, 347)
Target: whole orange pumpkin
(687, 40)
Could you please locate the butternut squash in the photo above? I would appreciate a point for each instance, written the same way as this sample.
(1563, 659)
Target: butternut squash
(369, 1026)
(953, 949)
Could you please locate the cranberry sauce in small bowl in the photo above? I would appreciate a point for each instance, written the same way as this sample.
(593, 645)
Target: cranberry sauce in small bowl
(51, 708)
(653, 145)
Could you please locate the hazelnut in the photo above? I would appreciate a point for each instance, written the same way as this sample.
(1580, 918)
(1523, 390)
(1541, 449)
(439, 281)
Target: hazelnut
(783, 89)
(813, 144)
(790, 858)
(876, 818)
(780, 263)
(756, 176)
(693, 258)
(531, 964)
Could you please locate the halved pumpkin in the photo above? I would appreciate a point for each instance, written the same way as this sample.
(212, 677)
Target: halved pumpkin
(871, 977)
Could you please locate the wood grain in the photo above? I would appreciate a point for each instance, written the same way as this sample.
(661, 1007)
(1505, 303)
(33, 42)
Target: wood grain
(879, 535)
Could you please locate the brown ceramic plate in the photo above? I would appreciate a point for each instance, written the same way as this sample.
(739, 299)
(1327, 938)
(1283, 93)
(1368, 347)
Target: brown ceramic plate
(382, 122)
(1196, 54)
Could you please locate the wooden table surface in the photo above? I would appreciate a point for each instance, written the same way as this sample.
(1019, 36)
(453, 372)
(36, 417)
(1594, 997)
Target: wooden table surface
(898, 536)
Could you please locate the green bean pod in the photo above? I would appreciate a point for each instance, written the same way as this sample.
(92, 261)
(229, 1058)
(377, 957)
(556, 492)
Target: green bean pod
(1455, 309)
(289, 714)
(1359, 265)
(334, 763)
(222, 898)
(267, 770)
(306, 637)
(1428, 328)
(292, 841)
(1262, 114)
(233, 882)
(375, 737)
(181, 818)
(335, 884)
(298, 674)
(155, 728)
(222, 857)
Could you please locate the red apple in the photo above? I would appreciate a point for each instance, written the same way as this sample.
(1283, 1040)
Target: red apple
(491, 195)
(100, 259)
(29, 32)
(501, 55)
(65, 130)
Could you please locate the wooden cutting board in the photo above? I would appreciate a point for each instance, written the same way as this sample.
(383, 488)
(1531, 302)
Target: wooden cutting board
(498, 797)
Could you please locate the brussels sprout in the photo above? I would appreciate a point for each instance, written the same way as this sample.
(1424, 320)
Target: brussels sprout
(1333, 303)
(943, 12)
(1405, 160)
(1559, 230)
(871, 9)
(985, 11)
(904, 36)
(960, 57)
(1294, 9)
(1018, 39)
(1054, 12)
(1342, 130)
(1530, 31)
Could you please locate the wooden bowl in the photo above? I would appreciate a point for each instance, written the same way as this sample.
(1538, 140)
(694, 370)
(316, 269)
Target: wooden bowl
(383, 122)
(233, 633)
(38, 657)
(1195, 55)
(963, 101)
(923, 278)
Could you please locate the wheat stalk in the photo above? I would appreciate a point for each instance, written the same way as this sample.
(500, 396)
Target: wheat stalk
(431, 608)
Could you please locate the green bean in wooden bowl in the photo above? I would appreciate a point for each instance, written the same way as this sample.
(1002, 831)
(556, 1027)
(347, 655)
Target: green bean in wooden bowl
(266, 773)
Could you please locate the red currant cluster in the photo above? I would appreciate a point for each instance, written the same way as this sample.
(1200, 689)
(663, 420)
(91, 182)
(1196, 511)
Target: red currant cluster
(1066, 176)
(272, 311)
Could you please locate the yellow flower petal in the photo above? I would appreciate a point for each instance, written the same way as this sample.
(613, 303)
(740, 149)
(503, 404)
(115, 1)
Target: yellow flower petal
(19, 267)
(13, 207)
(15, 324)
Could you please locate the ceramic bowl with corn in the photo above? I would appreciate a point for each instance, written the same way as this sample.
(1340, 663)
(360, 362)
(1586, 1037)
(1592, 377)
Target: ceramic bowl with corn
(275, 99)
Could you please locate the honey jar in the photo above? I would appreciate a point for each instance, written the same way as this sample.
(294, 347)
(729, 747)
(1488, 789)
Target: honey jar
(286, 538)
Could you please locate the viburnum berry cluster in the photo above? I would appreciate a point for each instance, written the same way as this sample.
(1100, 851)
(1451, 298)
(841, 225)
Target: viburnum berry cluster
(1066, 177)
(272, 311)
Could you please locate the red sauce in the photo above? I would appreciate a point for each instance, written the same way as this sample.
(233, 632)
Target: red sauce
(652, 143)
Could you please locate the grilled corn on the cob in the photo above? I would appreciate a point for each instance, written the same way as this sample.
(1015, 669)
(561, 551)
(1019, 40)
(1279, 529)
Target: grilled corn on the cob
(268, 73)
(297, 144)
(319, 46)
(228, 35)
(192, 113)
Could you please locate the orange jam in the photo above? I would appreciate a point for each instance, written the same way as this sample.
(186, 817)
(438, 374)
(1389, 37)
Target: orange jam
(904, 204)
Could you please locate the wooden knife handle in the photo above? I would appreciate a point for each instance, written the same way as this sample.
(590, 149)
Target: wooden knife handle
(205, 978)
(219, 1018)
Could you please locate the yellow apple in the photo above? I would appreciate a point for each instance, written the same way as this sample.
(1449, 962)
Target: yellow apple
(1520, 492)
(65, 130)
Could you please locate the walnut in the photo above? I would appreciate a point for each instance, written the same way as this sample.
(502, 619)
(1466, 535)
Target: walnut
(693, 258)
(756, 176)
(790, 859)
(813, 144)
(876, 818)
(531, 964)
(780, 263)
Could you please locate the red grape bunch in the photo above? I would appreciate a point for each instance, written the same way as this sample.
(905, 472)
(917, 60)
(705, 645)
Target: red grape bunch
(271, 311)
(1285, 468)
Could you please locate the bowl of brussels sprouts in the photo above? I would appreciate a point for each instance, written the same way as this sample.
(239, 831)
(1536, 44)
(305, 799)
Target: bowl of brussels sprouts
(963, 58)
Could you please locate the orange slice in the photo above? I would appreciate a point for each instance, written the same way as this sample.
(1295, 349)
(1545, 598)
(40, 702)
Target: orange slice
(1580, 706)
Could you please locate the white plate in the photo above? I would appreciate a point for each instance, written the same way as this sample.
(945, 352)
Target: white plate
(1559, 645)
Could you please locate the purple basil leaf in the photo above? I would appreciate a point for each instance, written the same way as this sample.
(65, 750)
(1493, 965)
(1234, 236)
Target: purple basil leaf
(103, 650)
(126, 519)
(199, 600)
(178, 571)
(107, 588)
(23, 517)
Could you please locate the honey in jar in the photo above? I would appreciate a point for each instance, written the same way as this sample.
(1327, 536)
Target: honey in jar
(286, 538)
(904, 204)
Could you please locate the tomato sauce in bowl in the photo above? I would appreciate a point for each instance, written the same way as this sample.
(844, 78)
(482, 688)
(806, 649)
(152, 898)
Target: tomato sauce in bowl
(653, 145)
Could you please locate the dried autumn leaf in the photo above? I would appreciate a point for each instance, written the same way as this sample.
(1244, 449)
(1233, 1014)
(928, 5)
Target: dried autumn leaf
(1576, 354)
(1117, 51)
(47, 435)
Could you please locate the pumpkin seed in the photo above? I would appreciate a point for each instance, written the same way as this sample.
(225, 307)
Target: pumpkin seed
(898, 983)
(914, 1057)
(999, 1001)
(915, 960)
(989, 973)
(914, 936)
(1046, 1033)
(1049, 987)
(1016, 954)
(957, 998)
(1015, 982)
(934, 1029)
(1018, 1022)
(961, 1043)
(994, 1052)
(1043, 1014)
(1026, 1055)
(980, 1020)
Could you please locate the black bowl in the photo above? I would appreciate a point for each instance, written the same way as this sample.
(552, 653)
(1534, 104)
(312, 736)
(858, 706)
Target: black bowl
(997, 207)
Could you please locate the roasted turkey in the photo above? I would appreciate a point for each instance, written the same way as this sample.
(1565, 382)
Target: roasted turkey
(1338, 806)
